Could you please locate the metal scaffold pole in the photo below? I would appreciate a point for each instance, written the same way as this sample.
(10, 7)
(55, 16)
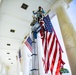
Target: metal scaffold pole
(35, 62)
(35, 29)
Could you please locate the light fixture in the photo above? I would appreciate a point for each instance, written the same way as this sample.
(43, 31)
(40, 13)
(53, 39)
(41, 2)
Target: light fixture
(9, 58)
(24, 6)
(8, 53)
(12, 30)
(8, 44)
(11, 63)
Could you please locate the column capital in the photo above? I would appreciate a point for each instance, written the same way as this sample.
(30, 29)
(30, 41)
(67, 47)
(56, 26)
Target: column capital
(68, 1)
(60, 3)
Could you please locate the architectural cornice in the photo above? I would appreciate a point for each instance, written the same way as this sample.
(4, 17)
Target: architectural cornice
(59, 3)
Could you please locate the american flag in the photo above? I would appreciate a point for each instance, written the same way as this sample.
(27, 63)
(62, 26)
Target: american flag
(28, 43)
(19, 53)
(52, 49)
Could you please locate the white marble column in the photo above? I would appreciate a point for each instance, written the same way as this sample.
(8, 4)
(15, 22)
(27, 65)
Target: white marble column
(25, 60)
(18, 66)
(4, 69)
(67, 31)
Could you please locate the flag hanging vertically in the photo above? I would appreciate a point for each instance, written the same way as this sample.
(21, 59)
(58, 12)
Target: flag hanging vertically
(28, 43)
(19, 54)
(52, 49)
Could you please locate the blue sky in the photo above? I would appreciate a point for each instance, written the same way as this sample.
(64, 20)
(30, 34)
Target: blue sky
(72, 12)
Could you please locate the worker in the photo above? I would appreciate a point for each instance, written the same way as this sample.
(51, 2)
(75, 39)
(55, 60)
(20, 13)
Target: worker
(40, 13)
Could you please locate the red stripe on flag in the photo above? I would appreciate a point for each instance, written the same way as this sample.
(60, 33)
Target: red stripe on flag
(59, 64)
